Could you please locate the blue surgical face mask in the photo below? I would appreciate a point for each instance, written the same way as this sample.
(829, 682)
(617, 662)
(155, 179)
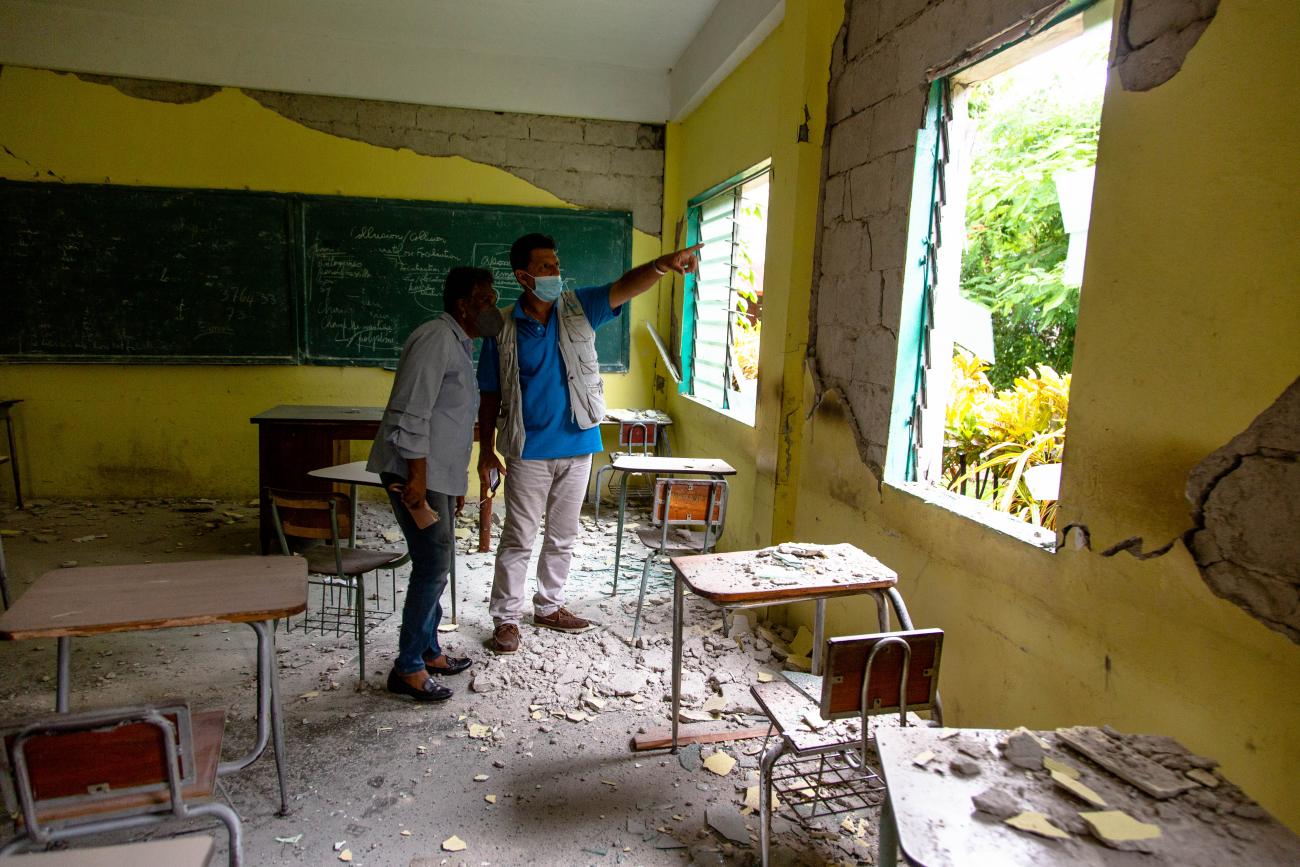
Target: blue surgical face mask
(548, 288)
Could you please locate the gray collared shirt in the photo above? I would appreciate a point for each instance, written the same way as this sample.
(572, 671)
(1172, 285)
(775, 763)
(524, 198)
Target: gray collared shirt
(432, 408)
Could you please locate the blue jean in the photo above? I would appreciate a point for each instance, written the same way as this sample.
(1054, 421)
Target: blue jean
(431, 553)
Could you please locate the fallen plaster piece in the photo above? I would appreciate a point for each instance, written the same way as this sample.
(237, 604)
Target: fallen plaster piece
(480, 778)
(491, 799)
(576, 716)
(751, 799)
(1036, 823)
(765, 677)
(1060, 767)
(803, 642)
(714, 704)
(345, 855)
(479, 731)
(996, 802)
(720, 763)
(964, 767)
(1072, 785)
(448, 627)
(1024, 750)
(1116, 826)
(1204, 777)
(728, 822)
(923, 758)
(296, 838)
(453, 844)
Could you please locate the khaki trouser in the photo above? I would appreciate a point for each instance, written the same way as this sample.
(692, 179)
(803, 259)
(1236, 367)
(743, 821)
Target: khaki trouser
(555, 489)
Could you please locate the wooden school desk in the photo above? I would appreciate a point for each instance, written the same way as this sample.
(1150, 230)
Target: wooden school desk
(191, 851)
(95, 600)
(748, 579)
(293, 440)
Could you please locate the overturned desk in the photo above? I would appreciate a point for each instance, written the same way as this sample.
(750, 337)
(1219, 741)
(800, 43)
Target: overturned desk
(95, 600)
(790, 572)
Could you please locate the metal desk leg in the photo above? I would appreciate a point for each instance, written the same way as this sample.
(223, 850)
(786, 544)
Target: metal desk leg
(900, 608)
(270, 718)
(887, 841)
(352, 531)
(13, 458)
(679, 609)
(451, 575)
(63, 679)
(882, 610)
(618, 540)
(819, 636)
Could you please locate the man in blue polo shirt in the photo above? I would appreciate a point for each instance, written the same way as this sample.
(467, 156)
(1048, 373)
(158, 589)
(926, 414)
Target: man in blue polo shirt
(541, 403)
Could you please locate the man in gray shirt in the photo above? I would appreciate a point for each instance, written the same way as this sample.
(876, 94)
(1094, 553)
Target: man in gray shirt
(422, 456)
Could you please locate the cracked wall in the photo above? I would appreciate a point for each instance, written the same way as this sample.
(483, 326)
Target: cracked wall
(609, 165)
(1246, 510)
(1154, 37)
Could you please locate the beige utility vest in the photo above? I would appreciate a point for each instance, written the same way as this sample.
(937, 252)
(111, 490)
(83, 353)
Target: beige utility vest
(581, 370)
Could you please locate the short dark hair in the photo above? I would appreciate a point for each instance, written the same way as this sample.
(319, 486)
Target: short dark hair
(460, 284)
(521, 251)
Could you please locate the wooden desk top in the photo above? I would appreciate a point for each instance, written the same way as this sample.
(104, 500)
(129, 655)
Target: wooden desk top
(193, 851)
(777, 575)
(938, 825)
(354, 473)
(91, 600)
(292, 413)
(689, 466)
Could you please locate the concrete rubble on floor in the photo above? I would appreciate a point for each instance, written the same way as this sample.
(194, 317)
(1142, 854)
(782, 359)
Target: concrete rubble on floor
(529, 763)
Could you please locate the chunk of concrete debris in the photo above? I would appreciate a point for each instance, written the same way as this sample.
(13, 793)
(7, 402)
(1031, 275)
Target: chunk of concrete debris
(728, 822)
(1119, 830)
(1077, 788)
(964, 767)
(1204, 777)
(689, 758)
(738, 699)
(1024, 751)
(720, 763)
(627, 683)
(996, 802)
(1036, 823)
(687, 715)
(575, 716)
(453, 844)
(667, 841)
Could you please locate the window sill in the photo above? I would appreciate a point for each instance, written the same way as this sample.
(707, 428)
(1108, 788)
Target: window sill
(981, 514)
(731, 414)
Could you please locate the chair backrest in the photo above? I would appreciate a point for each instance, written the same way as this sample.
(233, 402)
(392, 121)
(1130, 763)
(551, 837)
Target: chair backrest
(691, 503)
(79, 760)
(884, 672)
(638, 435)
(310, 515)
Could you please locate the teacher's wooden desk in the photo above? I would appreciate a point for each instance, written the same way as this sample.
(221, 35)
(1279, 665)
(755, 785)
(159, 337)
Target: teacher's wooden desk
(294, 440)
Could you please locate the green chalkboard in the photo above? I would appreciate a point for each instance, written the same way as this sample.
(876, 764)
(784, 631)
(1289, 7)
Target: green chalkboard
(116, 273)
(374, 269)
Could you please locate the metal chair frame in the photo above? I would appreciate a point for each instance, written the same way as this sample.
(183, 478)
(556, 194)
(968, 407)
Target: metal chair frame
(175, 741)
(853, 783)
(353, 587)
(648, 443)
(714, 520)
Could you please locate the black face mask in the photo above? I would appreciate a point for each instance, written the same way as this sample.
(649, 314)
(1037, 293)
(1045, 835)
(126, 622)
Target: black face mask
(488, 322)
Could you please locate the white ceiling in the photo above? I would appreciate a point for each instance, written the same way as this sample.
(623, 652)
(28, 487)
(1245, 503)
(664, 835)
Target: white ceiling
(645, 60)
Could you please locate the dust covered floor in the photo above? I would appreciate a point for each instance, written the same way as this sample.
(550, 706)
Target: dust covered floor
(529, 763)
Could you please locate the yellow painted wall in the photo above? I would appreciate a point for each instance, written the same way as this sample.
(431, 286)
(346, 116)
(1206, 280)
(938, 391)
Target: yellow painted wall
(141, 430)
(752, 116)
(1187, 330)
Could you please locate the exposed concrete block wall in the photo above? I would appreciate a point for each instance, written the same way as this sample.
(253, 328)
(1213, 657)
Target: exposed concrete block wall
(877, 99)
(603, 164)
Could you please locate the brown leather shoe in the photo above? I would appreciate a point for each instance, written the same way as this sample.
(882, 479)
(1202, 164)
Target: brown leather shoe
(563, 620)
(505, 638)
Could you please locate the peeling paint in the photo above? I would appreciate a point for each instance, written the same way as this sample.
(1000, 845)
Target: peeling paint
(1155, 36)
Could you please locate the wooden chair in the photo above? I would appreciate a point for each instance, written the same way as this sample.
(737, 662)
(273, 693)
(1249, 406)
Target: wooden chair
(73, 775)
(829, 742)
(687, 518)
(634, 438)
(327, 518)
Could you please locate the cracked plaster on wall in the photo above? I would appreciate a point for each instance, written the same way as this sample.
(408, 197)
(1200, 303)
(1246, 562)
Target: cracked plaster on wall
(613, 165)
(1155, 37)
(1246, 514)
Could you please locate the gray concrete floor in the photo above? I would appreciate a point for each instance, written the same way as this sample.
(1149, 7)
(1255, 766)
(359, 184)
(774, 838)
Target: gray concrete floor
(390, 779)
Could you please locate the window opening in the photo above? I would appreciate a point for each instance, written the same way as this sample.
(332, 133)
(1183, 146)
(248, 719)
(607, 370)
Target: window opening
(1005, 167)
(724, 302)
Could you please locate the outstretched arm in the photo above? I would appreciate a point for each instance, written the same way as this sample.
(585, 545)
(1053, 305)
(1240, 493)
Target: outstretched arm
(642, 277)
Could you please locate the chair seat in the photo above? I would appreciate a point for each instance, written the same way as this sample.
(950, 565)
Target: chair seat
(679, 539)
(356, 561)
(791, 711)
(208, 728)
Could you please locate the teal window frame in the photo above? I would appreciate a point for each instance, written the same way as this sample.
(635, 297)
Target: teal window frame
(921, 268)
(691, 294)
